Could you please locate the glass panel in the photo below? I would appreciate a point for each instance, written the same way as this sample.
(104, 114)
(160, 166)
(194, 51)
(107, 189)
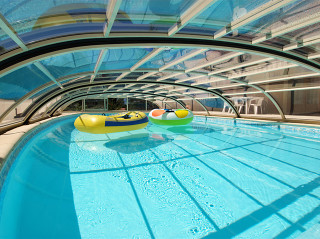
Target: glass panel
(282, 16)
(291, 83)
(204, 58)
(297, 36)
(317, 60)
(310, 49)
(112, 78)
(15, 85)
(194, 28)
(136, 104)
(211, 103)
(71, 63)
(5, 104)
(123, 58)
(302, 103)
(298, 102)
(76, 93)
(162, 8)
(151, 105)
(220, 14)
(280, 75)
(46, 90)
(277, 42)
(35, 15)
(169, 104)
(17, 113)
(164, 14)
(215, 104)
(165, 57)
(316, 47)
(191, 78)
(75, 106)
(6, 43)
(305, 50)
(117, 104)
(94, 104)
(311, 31)
(41, 112)
(59, 31)
(262, 70)
(127, 26)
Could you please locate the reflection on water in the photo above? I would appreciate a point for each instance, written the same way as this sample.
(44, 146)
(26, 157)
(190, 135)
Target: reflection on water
(137, 142)
(190, 129)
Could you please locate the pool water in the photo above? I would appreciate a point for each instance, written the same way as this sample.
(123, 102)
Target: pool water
(203, 180)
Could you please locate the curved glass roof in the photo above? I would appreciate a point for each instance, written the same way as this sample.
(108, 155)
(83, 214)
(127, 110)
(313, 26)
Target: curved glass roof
(223, 55)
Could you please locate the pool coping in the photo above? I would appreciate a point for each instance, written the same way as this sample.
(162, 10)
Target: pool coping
(9, 139)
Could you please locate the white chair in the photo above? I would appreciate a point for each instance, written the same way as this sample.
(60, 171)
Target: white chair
(238, 103)
(226, 108)
(256, 103)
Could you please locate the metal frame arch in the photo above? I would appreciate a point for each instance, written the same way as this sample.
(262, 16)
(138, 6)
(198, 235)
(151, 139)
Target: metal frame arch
(63, 101)
(81, 75)
(35, 91)
(190, 42)
(157, 83)
(166, 104)
(174, 71)
(42, 52)
(179, 93)
(199, 102)
(35, 107)
(156, 104)
(99, 35)
(67, 104)
(142, 70)
(106, 92)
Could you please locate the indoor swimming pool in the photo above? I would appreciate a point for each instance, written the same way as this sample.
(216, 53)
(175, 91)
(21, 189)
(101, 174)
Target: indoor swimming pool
(214, 178)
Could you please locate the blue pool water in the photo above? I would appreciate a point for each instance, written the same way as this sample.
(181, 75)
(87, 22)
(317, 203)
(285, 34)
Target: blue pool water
(210, 179)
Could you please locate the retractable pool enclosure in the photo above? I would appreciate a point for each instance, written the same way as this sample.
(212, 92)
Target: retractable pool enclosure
(251, 59)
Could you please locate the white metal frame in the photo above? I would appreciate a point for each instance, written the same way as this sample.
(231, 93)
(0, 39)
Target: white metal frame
(8, 29)
(172, 63)
(100, 59)
(192, 12)
(47, 73)
(251, 16)
(152, 54)
(111, 14)
(292, 26)
(302, 43)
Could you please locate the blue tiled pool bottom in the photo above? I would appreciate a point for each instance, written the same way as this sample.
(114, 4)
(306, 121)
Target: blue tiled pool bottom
(214, 178)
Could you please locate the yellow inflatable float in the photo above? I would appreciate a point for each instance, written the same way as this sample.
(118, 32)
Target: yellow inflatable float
(101, 124)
